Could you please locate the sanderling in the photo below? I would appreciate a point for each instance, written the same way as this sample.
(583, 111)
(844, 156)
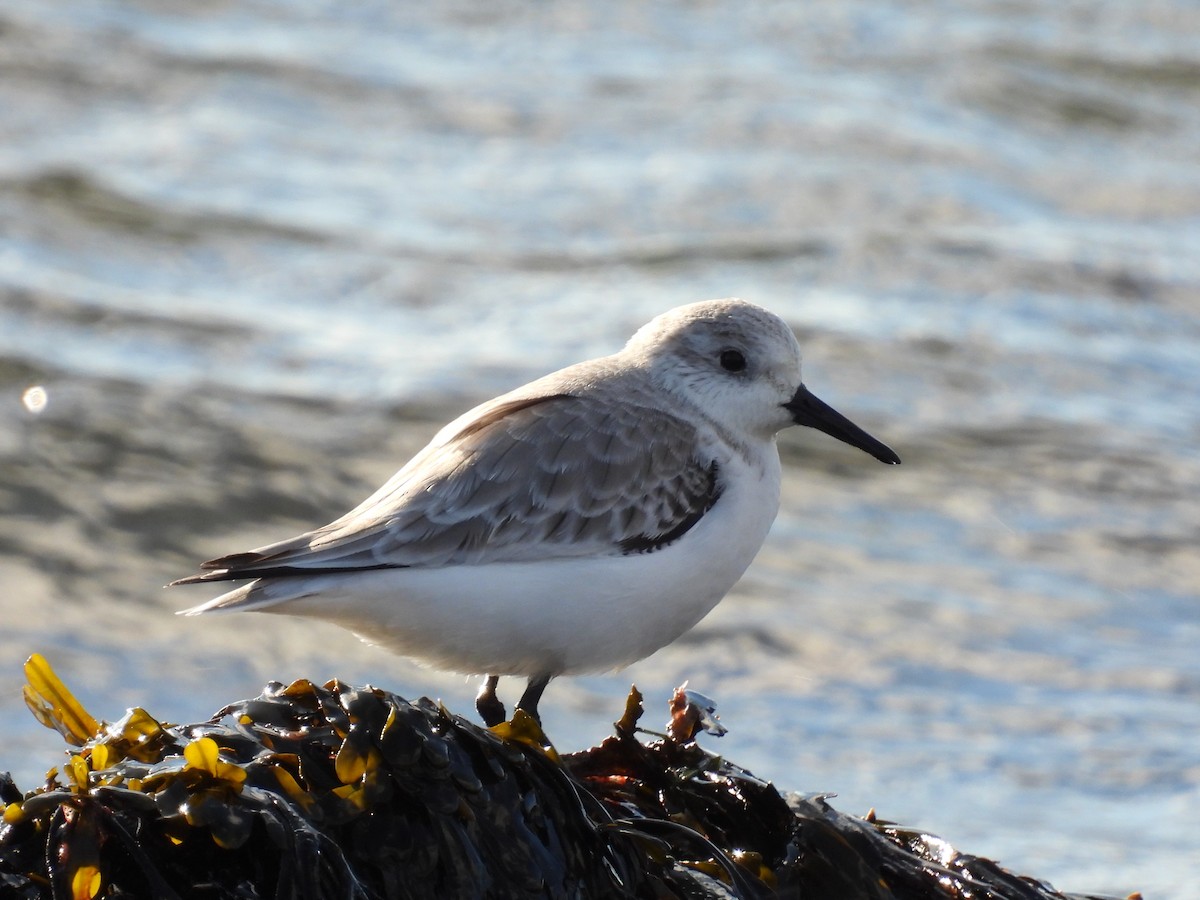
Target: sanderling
(576, 524)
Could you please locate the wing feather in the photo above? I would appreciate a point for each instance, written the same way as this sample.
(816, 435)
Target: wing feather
(535, 478)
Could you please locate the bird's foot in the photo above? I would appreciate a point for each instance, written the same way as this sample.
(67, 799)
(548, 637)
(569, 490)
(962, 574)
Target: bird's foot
(528, 703)
(488, 705)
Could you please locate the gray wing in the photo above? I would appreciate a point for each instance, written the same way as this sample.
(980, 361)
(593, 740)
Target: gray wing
(536, 478)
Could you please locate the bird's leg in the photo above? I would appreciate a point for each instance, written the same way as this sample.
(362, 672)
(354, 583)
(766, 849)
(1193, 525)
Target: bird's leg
(490, 709)
(533, 693)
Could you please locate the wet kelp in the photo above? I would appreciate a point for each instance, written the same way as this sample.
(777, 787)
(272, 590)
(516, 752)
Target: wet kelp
(334, 791)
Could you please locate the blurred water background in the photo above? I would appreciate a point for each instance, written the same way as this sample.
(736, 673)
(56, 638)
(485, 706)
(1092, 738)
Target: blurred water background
(256, 252)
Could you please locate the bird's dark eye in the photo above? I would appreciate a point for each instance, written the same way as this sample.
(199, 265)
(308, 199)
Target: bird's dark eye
(732, 360)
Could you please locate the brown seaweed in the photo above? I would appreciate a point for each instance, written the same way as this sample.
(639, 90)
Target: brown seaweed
(331, 791)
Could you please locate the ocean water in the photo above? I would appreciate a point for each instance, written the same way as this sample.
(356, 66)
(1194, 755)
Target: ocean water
(254, 254)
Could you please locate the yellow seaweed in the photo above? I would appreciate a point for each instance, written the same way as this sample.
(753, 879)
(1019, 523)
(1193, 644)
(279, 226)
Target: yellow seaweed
(85, 883)
(524, 729)
(204, 755)
(55, 706)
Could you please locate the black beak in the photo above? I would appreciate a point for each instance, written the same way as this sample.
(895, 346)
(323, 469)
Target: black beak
(806, 409)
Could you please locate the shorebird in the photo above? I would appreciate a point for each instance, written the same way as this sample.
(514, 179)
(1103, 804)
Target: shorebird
(576, 524)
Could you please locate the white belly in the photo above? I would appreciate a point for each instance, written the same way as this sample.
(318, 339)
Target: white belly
(558, 616)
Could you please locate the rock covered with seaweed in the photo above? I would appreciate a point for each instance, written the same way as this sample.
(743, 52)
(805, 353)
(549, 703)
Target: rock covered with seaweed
(311, 791)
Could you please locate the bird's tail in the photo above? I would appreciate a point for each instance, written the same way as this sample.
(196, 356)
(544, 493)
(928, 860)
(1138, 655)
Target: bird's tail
(260, 594)
(238, 599)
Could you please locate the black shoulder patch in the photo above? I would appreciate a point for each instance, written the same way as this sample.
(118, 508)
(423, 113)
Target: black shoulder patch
(702, 503)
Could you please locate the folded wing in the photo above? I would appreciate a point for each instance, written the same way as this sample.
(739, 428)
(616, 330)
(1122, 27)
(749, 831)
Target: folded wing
(535, 478)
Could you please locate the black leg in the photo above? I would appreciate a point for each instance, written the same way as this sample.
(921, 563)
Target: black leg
(533, 693)
(491, 710)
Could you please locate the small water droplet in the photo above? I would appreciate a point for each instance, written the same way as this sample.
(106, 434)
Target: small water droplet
(34, 399)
